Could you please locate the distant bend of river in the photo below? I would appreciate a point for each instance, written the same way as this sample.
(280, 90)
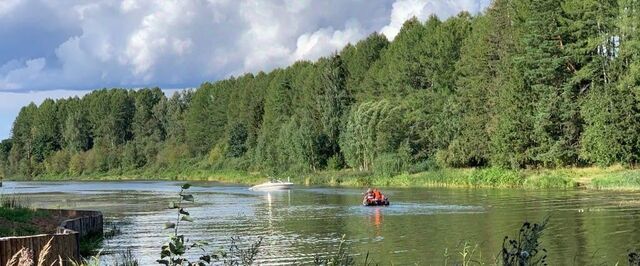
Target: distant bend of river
(585, 226)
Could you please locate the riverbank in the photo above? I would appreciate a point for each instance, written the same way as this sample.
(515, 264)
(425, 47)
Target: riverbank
(610, 178)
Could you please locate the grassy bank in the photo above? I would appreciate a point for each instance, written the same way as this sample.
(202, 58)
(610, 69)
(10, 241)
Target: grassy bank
(463, 178)
(18, 220)
(615, 177)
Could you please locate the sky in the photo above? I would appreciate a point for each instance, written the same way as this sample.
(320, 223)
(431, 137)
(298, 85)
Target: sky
(64, 48)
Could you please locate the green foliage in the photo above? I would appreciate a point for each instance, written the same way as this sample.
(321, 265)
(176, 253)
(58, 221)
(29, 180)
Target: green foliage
(334, 101)
(620, 180)
(526, 84)
(237, 141)
(205, 119)
(470, 102)
(373, 128)
(20, 219)
(215, 155)
(495, 177)
(468, 254)
(388, 164)
(58, 163)
(550, 181)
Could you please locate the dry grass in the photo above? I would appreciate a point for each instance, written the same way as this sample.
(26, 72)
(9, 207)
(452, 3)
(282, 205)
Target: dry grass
(24, 257)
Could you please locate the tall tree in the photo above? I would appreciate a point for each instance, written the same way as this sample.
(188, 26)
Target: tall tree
(334, 101)
(277, 110)
(45, 130)
(206, 117)
(512, 125)
(21, 154)
(359, 59)
(471, 101)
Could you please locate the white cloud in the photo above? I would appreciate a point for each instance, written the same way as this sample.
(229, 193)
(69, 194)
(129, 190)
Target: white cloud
(51, 48)
(317, 44)
(176, 43)
(422, 9)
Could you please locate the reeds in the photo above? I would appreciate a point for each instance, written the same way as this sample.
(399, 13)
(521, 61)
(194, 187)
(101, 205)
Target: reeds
(25, 256)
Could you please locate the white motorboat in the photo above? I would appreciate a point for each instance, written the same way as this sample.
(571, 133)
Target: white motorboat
(273, 185)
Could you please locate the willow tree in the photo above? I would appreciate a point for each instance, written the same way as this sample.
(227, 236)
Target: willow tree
(373, 128)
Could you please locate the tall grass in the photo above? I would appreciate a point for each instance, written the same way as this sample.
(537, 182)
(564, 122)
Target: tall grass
(622, 180)
(390, 174)
(26, 257)
(12, 201)
(549, 181)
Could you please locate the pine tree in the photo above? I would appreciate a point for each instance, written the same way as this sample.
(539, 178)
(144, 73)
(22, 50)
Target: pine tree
(512, 125)
(472, 108)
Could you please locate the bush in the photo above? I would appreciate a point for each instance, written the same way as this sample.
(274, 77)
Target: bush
(171, 154)
(58, 162)
(215, 155)
(77, 164)
(335, 163)
(92, 161)
(388, 164)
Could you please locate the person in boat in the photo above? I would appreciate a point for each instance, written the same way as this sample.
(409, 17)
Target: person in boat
(377, 195)
(368, 197)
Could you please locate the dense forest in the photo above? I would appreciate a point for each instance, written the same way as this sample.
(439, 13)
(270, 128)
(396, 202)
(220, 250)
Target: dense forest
(528, 83)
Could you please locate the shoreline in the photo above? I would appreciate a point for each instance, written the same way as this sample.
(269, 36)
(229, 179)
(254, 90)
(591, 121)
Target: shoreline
(592, 178)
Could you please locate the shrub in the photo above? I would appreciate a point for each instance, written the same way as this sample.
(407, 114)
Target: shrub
(335, 163)
(58, 162)
(77, 164)
(171, 154)
(388, 164)
(215, 154)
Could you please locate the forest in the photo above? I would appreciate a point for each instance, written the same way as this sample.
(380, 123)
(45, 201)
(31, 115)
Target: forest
(525, 84)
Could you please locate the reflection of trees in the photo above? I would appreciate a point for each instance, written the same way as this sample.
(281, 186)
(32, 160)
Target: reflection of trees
(603, 232)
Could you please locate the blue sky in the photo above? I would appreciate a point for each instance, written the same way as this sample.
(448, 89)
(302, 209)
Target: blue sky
(54, 49)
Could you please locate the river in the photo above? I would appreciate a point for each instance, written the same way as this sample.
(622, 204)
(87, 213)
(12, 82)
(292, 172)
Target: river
(584, 226)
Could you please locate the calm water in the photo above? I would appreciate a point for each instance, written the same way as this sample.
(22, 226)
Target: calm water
(585, 226)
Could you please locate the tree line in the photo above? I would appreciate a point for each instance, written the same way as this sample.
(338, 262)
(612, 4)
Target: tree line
(527, 83)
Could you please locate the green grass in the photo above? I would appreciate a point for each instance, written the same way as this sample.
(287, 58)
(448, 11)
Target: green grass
(622, 180)
(90, 245)
(449, 177)
(615, 177)
(17, 221)
(556, 179)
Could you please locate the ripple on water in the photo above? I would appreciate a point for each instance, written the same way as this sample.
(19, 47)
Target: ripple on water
(415, 209)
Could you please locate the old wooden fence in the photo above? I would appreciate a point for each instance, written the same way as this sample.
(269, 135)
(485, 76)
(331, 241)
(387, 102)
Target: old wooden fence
(65, 243)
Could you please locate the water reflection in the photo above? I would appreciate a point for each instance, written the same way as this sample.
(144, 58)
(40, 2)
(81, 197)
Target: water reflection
(376, 219)
(300, 223)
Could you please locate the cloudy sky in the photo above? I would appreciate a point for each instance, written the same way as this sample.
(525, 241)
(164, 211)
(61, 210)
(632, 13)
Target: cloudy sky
(61, 48)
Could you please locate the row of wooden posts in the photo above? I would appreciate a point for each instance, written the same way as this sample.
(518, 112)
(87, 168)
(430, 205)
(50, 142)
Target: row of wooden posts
(65, 243)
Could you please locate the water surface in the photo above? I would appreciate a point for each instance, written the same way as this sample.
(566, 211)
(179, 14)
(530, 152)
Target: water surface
(420, 224)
